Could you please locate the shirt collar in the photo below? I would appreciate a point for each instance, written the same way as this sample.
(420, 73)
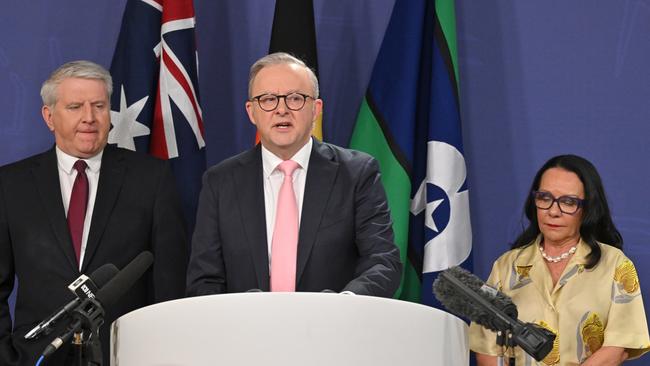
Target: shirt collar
(531, 254)
(66, 161)
(270, 161)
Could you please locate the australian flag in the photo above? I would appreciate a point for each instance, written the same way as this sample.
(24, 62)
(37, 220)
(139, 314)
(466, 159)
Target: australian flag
(155, 102)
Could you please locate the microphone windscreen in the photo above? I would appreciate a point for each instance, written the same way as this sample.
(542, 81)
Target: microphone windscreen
(123, 281)
(502, 302)
(103, 274)
(457, 303)
(461, 293)
(497, 298)
(466, 277)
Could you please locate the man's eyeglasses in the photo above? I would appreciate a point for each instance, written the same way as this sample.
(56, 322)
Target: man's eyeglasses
(293, 101)
(567, 204)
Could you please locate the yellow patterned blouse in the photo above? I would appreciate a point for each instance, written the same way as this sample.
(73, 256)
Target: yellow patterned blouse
(587, 309)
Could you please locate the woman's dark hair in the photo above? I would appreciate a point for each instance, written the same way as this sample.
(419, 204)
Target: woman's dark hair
(596, 223)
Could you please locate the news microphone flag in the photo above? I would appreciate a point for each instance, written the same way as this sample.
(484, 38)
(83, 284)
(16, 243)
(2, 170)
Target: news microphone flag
(155, 104)
(410, 121)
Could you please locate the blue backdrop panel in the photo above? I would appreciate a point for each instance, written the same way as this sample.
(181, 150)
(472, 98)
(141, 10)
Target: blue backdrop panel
(537, 79)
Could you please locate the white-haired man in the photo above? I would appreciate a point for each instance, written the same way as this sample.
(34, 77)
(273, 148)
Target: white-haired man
(78, 206)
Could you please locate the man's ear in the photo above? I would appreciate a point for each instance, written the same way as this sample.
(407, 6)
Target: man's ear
(249, 111)
(46, 112)
(317, 109)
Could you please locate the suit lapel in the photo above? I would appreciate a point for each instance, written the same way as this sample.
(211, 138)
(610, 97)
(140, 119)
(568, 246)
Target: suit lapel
(249, 184)
(111, 177)
(46, 177)
(321, 175)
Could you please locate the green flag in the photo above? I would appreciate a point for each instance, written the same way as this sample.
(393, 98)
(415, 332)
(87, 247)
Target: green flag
(410, 111)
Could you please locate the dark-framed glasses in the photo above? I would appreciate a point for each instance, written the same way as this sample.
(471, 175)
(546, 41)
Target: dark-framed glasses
(567, 204)
(293, 101)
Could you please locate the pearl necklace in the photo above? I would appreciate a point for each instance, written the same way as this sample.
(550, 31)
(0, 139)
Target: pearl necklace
(560, 257)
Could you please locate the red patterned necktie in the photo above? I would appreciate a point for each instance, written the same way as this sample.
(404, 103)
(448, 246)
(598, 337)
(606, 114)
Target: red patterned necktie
(77, 207)
(284, 246)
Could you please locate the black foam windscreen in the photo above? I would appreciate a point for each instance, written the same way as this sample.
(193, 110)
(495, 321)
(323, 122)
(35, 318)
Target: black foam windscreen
(123, 281)
(458, 290)
(103, 274)
(497, 298)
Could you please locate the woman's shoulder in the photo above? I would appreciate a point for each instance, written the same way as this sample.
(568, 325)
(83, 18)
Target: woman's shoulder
(522, 257)
(613, 262)
(521, 254)
(611, 254)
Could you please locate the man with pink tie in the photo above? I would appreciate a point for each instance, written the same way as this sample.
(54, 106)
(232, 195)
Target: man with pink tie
(293, 213)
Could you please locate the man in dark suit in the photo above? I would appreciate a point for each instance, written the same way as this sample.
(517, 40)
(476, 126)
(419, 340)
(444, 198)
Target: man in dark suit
(345, 238)
(131, 205)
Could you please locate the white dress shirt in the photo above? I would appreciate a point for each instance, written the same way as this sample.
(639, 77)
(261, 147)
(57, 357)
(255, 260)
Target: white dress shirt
(273, 181)
(67, 175)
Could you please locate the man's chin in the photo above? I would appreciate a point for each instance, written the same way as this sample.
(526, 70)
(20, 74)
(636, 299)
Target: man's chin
(89, 150)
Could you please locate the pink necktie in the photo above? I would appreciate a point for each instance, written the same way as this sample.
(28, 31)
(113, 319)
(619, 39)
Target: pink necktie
(284, 247)
(77, 207)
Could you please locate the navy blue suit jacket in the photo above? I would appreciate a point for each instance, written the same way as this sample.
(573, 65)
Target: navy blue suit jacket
(345, 239)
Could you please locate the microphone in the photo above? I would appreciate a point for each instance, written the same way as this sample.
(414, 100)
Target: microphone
(83, 287)
(447, 294)
(90, 313)
(123, 281)
(461, 293)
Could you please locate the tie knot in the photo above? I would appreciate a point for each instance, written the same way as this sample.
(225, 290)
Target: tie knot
(287, 167)
(80, 166)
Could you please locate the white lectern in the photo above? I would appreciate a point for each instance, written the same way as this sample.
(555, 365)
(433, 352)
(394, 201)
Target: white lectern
(288, 329)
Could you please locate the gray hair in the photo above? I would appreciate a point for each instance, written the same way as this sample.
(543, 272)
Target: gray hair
(75, 69)
(279, 58)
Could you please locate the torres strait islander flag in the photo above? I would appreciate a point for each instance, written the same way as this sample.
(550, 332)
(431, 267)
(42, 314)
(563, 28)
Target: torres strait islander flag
(410, 121)
(155, 102)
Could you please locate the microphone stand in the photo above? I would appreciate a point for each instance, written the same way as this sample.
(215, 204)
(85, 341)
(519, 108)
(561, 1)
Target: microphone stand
(91, 316)
(77, 348)
(85, 349)
(511, 349)
(533, 339)
(501, 342)
(84, 331)
(506, 343)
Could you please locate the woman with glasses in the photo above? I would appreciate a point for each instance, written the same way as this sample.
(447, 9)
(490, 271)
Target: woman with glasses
(566, 272)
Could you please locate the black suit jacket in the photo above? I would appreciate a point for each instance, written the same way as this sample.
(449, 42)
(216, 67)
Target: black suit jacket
(136, 209)
(345, 239)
